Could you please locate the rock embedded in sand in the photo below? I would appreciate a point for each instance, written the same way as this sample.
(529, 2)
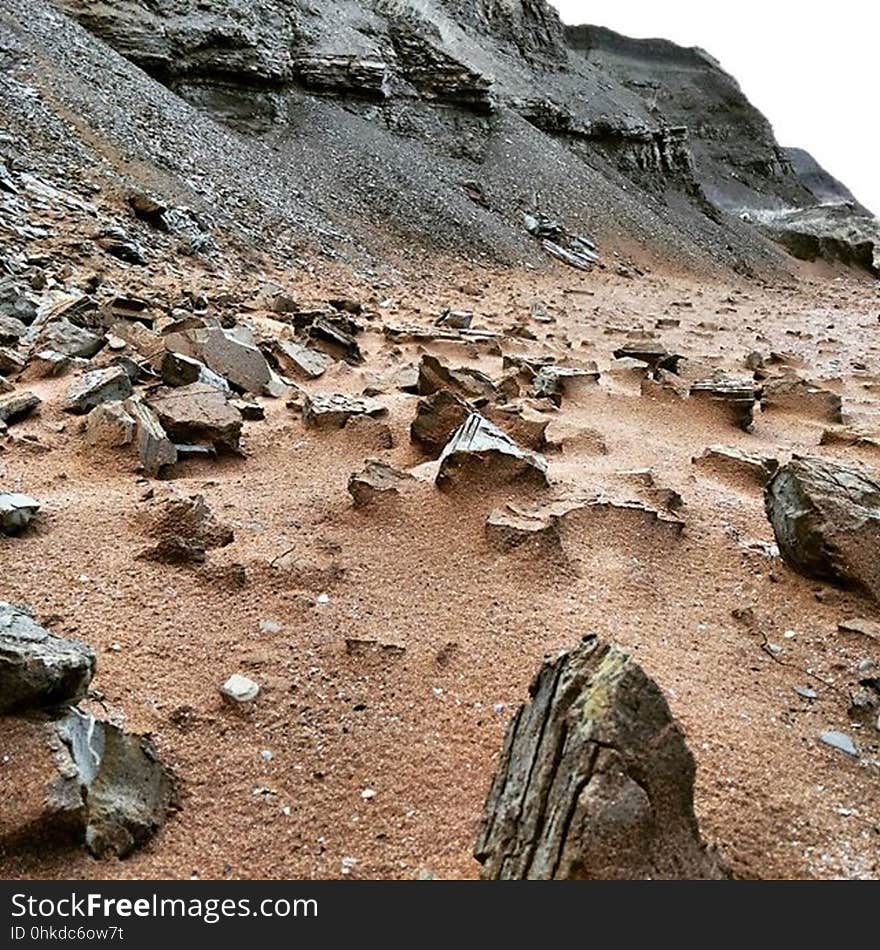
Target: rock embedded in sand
(17, 511)
(479, 447)
(826, 518)
(155, 450)
(840, 741)
(790, 393)
(734, 395)
(595, 780)
(376, 480)
(101, 385)
(184, 528)
(645, 351)
(112, 784)
(468, 383)
(37, 668)
(240, 689)
(555, 382)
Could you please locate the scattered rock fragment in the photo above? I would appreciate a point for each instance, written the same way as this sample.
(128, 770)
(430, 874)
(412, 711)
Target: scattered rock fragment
(17, 406)
(240, 689)
(11, 362)
(437, 417)
(101, 385)
(17, 511)
(376, 480)
(862, 627)
(479, 447)
(180, 370)
(38, 669)
(826, 518)
(111, 782)
(333, 410)
(196, 414)
(647, 351)
(595, 780)
(840, 741)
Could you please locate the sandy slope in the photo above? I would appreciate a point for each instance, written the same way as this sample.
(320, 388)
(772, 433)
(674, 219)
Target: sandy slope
(423, 729)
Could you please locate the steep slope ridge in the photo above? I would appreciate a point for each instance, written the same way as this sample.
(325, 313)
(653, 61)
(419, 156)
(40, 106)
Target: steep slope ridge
(429, 97)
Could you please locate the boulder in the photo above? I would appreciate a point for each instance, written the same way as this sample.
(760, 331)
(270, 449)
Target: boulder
(100, 385)
(478, 447)
(826, 518)
(595, 780)
(17, 406)
(197, 413)
(333, 410)
(38, 669)
(111, 785)
(16, 512)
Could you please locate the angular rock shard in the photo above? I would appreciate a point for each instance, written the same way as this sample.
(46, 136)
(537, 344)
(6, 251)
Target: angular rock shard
(735, 396)
(826, 518)
(333, 410)
(198, 413)
(595, 780)
(101, 385)
(437, 417)
(377, 480)
(111, 783)
(480, 447)
(16, 511)
(38, 669)
(155, 450)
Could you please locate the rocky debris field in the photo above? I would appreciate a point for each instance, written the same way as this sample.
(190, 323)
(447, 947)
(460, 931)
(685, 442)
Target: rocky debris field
(283, 551)
(446, 354)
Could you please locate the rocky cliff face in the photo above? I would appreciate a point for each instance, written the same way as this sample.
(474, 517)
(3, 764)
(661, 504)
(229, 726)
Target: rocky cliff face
(386, 112)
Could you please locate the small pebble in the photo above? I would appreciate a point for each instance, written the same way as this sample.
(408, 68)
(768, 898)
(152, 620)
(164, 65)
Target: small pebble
(840, 741)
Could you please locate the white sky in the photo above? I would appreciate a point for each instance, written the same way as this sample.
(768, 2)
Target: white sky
(810, 67)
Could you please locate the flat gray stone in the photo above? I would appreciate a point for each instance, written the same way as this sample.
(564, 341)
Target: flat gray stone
(840, 741)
